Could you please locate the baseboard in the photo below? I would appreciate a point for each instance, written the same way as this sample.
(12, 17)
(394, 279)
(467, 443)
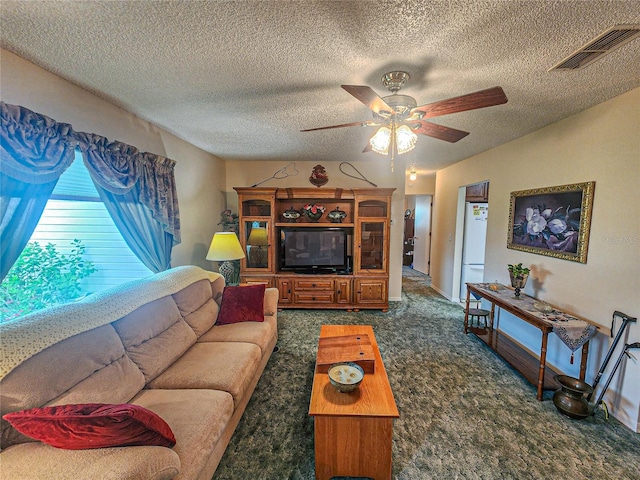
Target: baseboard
(395, 299)
(444, 294)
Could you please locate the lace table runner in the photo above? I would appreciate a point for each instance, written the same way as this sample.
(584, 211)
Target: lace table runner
(571, 330)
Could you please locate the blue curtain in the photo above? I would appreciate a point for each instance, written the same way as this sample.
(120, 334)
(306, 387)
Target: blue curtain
(137, 188)
(139, 192)
(34, 151)
(145, 236)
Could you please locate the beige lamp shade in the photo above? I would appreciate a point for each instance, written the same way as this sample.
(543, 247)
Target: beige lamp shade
(258, 237)
(225, 246)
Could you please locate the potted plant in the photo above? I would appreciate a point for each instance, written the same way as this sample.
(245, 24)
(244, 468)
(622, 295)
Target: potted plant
(518, 275)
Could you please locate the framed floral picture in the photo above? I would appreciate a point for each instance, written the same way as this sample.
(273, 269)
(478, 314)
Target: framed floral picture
(552, 221)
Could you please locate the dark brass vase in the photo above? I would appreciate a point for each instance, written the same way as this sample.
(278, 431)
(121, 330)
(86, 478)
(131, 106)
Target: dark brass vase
(570, 399)
(518, 282)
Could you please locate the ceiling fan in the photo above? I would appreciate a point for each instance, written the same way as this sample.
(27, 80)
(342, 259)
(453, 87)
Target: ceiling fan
(400, 118)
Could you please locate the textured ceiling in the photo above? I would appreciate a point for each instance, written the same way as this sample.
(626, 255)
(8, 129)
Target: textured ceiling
(241, 79)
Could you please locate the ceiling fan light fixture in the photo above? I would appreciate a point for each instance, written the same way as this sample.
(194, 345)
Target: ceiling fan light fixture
(402, 119)
(381, 140)
(405, 139)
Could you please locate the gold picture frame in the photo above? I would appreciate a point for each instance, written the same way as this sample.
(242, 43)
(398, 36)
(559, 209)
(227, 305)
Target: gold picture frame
(552, 221)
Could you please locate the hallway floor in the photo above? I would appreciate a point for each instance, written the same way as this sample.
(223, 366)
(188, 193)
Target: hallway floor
(408, 272)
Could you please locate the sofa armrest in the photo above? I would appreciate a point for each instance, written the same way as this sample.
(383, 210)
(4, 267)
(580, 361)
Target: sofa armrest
(271, 296)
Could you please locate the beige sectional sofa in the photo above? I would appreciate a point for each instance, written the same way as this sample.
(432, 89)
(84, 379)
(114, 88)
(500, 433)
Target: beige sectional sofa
(152, 343)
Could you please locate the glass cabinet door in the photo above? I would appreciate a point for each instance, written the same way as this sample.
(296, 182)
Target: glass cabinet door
(256, 240)
(256, 208)
(372, 233)
(372, 246)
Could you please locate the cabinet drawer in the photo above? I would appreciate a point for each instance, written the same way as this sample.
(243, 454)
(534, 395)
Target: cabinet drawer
(252, 280)
(313, 297)
(313, 284)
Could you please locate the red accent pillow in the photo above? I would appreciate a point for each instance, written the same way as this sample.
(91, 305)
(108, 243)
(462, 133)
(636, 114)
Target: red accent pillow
(243, 303)
(93, 425)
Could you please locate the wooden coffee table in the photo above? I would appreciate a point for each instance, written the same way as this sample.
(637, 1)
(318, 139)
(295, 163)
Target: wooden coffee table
(353, 431)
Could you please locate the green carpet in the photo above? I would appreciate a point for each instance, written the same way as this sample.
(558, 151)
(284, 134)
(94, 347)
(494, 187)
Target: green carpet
(464, 413)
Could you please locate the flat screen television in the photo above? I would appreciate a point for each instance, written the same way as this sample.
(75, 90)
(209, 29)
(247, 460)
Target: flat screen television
(314, 249)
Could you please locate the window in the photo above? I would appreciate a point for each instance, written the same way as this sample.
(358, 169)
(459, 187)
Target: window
(75, 211)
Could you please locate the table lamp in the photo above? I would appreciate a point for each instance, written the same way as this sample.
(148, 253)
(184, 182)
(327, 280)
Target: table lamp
(225, 247)
(258, 240)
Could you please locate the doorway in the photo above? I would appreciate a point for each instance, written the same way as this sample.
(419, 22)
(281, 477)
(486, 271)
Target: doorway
(422, 238)
(418, 231)
(474, 212)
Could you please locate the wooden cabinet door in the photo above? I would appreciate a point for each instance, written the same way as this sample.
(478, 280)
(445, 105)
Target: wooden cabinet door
(371, 249)
(285, 288)
(478, 192)
(256, 232)
(371, 291)
(343, 290)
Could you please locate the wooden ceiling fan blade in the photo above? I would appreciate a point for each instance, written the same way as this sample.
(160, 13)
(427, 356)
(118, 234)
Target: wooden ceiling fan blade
(481, 99)
(367, 96)
(366, 123)
(440, 132)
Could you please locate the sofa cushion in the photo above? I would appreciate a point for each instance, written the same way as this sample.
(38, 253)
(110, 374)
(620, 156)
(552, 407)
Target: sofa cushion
(258, 333)
(197, 306)
(155, 335)
(37, 461)
(198, 419)
(191, 298)
(93, 425)
(242, 304)
(203, 318)
(90, 367)
(228, 367)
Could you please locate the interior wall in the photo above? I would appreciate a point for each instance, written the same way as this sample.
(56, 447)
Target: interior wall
(375, 169)
(424, 184)
(200, 177)
(601, 144)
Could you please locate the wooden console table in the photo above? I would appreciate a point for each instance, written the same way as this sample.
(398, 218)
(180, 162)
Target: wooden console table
(533, 369)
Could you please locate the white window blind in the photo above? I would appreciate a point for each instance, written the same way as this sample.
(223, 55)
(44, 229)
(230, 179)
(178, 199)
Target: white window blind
(76, 211)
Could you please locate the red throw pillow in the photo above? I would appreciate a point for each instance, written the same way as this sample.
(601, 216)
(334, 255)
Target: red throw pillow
(243, 303)
(93, 425)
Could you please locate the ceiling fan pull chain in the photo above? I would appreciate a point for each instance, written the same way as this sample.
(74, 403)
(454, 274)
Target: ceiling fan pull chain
(361, 177)
(393, 143)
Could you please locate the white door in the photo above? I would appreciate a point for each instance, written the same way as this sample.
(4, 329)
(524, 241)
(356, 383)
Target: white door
(422, 232)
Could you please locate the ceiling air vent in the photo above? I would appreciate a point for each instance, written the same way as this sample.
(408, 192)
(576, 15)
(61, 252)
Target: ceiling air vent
(597, 48)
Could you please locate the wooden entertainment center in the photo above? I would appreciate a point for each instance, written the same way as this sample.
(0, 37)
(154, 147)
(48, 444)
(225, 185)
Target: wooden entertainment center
(267, 216)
